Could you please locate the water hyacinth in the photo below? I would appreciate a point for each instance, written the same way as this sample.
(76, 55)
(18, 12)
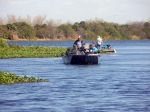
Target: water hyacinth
(10, 78)
(31, 52)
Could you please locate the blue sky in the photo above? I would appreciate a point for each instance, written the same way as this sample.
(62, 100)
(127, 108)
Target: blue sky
(119, 11)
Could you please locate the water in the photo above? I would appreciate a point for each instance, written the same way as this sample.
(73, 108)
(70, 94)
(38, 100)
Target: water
(120, 83)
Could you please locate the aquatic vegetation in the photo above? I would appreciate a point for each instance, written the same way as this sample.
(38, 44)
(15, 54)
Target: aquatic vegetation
(31, 52)
(9, 51)
(3, 42)
(10, 78)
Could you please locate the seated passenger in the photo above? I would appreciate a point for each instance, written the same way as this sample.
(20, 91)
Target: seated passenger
(93, 49)
(108, 46)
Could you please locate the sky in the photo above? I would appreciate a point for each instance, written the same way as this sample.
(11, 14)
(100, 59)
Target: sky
(118, 11)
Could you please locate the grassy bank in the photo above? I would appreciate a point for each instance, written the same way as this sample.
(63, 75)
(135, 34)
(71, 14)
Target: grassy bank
(10, 78)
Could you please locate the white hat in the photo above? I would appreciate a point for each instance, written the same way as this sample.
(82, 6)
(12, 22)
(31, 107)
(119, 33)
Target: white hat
(99, 36)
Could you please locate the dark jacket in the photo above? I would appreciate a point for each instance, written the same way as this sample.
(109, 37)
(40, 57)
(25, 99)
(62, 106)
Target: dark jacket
(76, 42)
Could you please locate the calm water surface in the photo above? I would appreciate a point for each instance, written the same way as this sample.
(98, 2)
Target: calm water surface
(119, 83)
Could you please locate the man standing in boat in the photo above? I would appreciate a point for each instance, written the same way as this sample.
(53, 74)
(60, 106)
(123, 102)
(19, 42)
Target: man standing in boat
(78, 43)
(99, 42)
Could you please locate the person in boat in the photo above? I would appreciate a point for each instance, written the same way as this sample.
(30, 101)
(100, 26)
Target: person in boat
(108, 46)
(78, 43)
(99, 42)
(93, 49)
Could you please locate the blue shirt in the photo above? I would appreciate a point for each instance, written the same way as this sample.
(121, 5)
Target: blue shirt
(94, 49)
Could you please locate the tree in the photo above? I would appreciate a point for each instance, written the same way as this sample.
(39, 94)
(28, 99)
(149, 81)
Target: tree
(146, 30)
(67, 30)
(38, 20)
(24, 30)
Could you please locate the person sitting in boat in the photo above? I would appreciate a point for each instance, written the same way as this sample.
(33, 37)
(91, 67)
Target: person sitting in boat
(99, 42)
(108, 46)
(93, 49)
(78, 43)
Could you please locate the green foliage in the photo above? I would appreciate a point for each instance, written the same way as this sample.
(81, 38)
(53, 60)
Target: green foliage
(4, 33)
(88, 29)
(24, 30)
(3, 42)
(89, 34)
(10, 78)
(28, 52)
(11, 27)
(67, 30)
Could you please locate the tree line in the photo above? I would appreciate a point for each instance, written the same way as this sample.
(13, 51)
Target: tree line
(41, 29)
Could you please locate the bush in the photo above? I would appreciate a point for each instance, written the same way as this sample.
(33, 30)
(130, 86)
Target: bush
(3, 42)
(24, 30)
(67, 30)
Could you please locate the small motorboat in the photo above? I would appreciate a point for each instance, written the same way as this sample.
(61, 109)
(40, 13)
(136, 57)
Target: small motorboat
(80, 58)
(107, 49)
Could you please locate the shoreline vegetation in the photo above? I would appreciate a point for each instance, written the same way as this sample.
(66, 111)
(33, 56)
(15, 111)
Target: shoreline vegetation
(14, 28)
(11, 78)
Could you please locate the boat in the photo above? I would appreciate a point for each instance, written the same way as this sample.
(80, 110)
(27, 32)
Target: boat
(84, 56)
(107, 49)
(80, 58)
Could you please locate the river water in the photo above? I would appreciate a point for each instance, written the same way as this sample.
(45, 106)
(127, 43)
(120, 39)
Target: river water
(119, 83)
